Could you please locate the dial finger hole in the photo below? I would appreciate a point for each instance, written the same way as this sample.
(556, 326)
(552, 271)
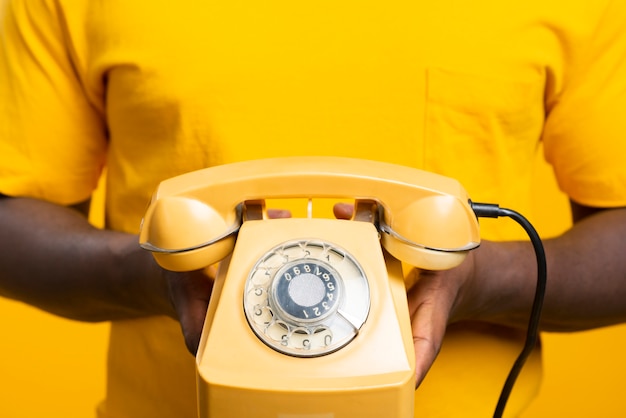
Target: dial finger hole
(257, 296)
(300, 338)
(263, 315)
(278, 331)
(322, 337)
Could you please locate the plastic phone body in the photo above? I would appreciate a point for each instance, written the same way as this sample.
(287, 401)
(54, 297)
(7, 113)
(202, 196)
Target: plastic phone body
(308, 317)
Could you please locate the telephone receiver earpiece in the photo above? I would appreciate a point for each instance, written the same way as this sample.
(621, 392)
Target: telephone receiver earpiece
(424, 219)
(187, 234)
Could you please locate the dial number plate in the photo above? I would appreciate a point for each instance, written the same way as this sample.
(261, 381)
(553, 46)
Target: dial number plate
(306, 298)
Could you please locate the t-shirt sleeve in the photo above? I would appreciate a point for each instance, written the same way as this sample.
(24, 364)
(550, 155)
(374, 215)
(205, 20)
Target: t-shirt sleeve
(52, 134)
(585, 132)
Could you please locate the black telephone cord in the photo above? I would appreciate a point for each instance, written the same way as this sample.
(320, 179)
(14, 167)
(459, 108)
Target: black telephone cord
(532, 335)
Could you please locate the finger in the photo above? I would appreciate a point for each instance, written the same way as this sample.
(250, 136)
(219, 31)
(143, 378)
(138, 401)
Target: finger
(428, 333)
(343, 210)
(190, 294)
(192, 324)
(429, 307)
(278, 213)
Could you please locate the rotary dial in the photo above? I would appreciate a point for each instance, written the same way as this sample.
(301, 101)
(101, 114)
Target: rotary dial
(306, 298)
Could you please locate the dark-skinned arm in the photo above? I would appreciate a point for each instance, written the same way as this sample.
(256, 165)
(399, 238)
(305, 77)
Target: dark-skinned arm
(586, 268)
(496, 284)
(52, 258)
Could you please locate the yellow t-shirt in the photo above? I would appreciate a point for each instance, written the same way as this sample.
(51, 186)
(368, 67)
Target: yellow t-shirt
(152, 89)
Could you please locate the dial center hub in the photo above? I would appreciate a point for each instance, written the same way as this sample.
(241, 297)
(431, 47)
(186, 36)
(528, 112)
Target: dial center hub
(306, 290)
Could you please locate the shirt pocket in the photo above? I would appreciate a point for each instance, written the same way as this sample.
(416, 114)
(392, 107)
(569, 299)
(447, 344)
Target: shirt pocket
(483, 131)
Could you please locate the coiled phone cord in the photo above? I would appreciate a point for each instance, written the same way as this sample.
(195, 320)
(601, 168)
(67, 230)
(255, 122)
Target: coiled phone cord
(485, 210)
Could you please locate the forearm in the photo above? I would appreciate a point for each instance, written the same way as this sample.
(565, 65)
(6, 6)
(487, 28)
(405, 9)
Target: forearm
(586, 278)
(52, 258)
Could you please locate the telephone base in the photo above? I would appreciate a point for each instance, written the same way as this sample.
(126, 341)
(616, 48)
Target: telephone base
(240, 376)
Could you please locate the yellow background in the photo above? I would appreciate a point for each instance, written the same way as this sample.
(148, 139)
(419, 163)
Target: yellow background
(51, 367)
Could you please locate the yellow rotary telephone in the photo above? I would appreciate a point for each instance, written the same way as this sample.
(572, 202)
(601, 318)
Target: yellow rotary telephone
(308, 317)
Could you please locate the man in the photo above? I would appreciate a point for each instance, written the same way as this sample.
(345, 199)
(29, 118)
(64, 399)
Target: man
(150, 91)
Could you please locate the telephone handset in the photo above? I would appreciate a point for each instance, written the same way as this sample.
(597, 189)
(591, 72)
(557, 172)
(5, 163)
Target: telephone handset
(193, 218)
(308, 317)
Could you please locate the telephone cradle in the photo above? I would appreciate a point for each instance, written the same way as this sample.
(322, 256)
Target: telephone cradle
(308, 316)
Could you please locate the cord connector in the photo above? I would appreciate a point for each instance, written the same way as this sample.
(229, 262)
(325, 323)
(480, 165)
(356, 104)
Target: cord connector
(486, 210)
